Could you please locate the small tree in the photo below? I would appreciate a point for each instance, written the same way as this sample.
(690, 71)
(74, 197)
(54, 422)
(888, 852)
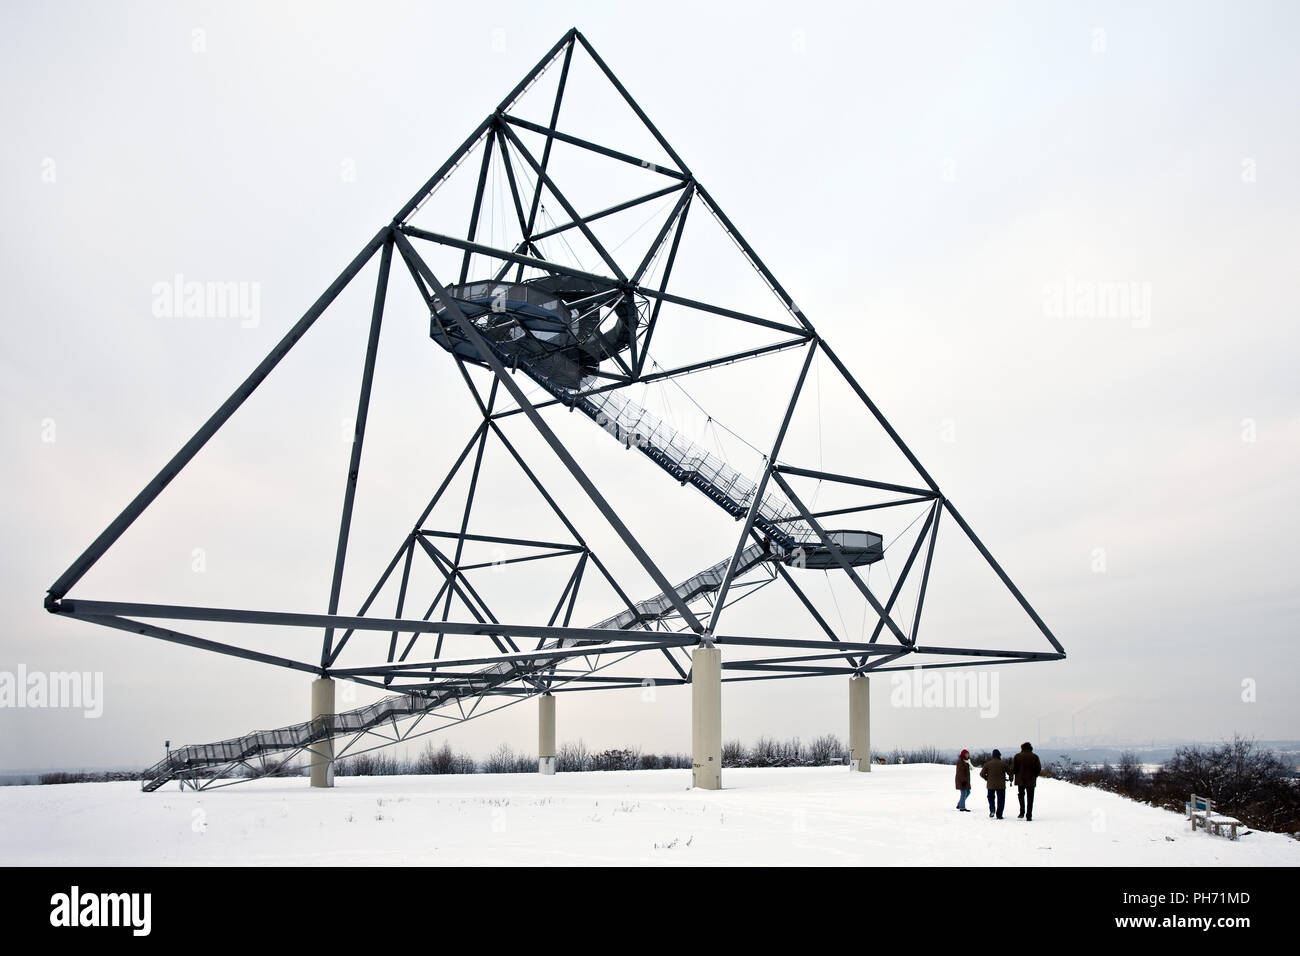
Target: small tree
(825, 750)
(572, 757)
(436, 760)
(501, 760)
(464, 763)
(1130, 776)
(733, 754)
(613, 760)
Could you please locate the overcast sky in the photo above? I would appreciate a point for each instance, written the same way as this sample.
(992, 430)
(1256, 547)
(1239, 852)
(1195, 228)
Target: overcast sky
(940, 188)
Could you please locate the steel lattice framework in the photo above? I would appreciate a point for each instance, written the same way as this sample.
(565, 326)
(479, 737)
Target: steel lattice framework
(583, 335)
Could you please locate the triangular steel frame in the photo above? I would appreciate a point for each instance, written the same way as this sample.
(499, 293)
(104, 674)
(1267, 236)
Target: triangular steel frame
(530, 671)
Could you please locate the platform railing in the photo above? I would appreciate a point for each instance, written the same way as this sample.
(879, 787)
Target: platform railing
(632, 425)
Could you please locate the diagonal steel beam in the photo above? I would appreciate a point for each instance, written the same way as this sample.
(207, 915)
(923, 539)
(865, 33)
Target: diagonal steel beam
(1015, 591)
(469, 504)
(759, 266)
(838, 556)
(907, 567)
(653, 322)
(609, 211)
(768, 464)
(636, 107)
(189, 640)
(515, 198)
(553, 134)
(109, 535)
(925, 576)
(498, 539)
(860, 508)
(880, 418)
(478, 206)
(482, 613)
(544, 177)
(358, 441)
(454, 160)
(851, 480)
(546, 153)
(401, 593)
(653, 249)
(433, 501)
(628, 603)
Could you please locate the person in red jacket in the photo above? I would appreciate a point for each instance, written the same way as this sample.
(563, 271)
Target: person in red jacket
(963, 779)
(1025, 768)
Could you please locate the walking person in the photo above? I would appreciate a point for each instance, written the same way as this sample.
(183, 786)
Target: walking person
(996, 773)
(963, 779)
(1025, 768)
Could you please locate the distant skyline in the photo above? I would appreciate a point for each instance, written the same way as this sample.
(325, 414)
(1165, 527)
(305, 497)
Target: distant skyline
(1056, 245)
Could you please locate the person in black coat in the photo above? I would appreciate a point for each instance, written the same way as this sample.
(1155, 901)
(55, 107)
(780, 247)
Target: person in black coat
(1025, 768)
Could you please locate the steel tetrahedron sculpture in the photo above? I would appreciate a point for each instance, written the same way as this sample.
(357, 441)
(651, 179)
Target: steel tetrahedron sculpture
(541, 313)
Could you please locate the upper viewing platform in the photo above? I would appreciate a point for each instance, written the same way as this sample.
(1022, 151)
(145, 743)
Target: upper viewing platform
(563, 326)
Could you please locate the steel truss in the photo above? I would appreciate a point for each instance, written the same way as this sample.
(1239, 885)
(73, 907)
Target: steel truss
(556, 656)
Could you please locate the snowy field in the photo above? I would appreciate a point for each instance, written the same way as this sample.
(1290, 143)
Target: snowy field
(896, 815)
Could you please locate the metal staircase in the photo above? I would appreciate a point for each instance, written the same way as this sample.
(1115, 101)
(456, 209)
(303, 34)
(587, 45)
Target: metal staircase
(687, 462)
(194, 759)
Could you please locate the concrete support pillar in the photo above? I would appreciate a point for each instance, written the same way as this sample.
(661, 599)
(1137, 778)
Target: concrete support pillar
(706, 718)
(546, 734)
(322, 710)
(860, 723)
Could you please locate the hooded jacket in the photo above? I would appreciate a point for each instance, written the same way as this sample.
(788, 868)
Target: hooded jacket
(963, 773)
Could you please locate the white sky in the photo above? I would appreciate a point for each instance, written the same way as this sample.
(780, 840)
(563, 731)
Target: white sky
(917, 178)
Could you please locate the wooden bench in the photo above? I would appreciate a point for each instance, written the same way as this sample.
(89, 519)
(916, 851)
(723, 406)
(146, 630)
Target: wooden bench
(1200, 810)
(1217, 825)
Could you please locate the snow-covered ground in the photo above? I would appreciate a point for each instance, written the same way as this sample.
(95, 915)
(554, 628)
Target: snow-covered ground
(820, 816)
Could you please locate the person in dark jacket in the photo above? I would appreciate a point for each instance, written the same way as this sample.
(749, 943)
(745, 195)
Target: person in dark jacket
(996, 773)
(1025, 768)
(963, 779)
